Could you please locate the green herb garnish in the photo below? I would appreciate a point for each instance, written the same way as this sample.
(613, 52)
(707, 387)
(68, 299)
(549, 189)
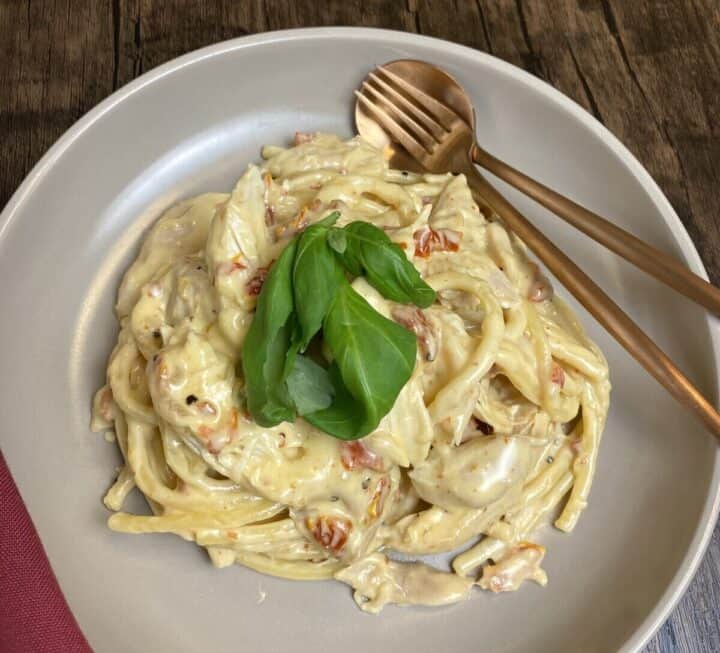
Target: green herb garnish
(267, 343)
(366, 250)
(316, 278)
(307, 292)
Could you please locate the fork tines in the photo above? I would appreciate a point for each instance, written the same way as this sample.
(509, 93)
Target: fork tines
(415, 119)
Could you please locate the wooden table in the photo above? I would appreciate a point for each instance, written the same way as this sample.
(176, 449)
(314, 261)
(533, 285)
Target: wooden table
(649, 70)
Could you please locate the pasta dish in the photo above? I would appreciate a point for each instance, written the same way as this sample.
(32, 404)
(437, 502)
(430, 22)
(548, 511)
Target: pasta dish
(493, 430)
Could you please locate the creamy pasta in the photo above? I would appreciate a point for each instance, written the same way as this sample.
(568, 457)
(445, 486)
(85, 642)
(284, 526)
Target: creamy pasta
(498, 426)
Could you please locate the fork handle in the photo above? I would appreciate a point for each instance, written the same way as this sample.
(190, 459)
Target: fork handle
(599, 305)
(663, 267)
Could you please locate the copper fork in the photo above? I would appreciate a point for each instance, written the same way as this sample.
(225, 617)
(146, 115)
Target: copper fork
(441, 141)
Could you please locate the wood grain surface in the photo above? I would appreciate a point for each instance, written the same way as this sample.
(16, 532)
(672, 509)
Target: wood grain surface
(649, 70)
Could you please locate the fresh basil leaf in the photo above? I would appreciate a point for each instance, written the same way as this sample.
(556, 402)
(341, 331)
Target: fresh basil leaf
(337, 239)
(277, 406)
(373, 357)
(309, 386)
(329, 220)
(369, 251)
(344, 415)
(293, 348)
(316, 278)
(266, 345)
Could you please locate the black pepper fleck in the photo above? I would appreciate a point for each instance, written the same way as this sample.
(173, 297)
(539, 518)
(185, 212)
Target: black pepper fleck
(190, 399)
(366, 484)
(549, 460)
(156, 333)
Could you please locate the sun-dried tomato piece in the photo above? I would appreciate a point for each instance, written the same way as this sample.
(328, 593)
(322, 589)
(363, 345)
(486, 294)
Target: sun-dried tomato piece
(428, 240)
(355, 455)
(329, 532)
(255, 284)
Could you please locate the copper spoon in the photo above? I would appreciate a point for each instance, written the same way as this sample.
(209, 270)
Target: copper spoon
(424, 110)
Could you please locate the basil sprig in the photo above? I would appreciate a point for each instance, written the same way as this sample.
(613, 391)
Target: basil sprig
(316, 278)
(267, 343)
(373, 359)
(307, 292)
(366, 250)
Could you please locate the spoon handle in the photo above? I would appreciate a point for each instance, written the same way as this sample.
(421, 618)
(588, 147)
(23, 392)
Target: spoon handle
(658, 264)
(635, 341)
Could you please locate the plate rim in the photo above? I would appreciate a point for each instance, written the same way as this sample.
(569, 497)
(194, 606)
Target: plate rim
(709, 515)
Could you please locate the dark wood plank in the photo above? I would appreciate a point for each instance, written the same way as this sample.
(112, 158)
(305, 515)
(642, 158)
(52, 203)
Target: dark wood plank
(53, 69)
(648, 69)
(673, 57)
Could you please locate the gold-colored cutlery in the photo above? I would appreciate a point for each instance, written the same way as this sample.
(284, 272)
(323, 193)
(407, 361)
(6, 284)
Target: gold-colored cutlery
(421, 108)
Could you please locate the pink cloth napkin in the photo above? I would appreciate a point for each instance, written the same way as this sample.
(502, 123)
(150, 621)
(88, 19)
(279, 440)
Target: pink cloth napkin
(34, 616)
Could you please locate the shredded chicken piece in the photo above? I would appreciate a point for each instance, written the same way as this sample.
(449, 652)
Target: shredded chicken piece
(521, 563)
(415, 320)
(295, 226)
(303, 137)
(557, 375)
(230, 267)
(378, 581)
(104, 408)
(540, 289)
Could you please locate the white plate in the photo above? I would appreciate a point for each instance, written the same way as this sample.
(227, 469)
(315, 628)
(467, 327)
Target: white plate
(191, 126)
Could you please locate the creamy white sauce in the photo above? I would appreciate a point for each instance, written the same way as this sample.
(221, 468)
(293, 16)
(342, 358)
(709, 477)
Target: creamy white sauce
(379, 581)
(499, 382)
